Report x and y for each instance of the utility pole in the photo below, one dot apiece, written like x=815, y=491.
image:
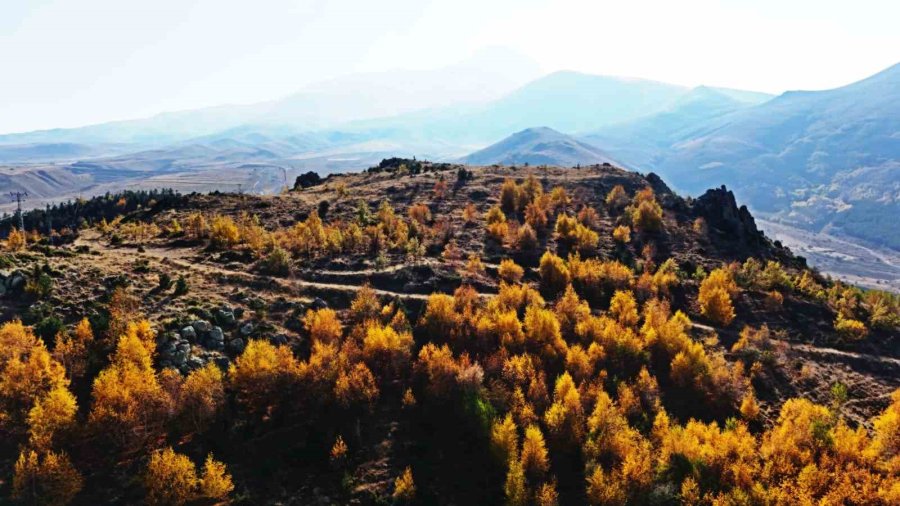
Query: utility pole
x=19, y=196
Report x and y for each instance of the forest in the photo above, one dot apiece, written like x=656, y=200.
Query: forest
x=527, y=337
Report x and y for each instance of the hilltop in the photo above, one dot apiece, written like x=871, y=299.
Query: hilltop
x=539, y=146
x=392, y=336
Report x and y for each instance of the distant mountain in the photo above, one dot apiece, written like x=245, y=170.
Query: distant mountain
x=642, y=140
x=824, y=160
x=539, y=146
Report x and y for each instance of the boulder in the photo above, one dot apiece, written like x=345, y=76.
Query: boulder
x=247, y=329
x=201, y=326
x=236, y=345
x=318, y=303
x=189, y=333
x=195, y=362
x=225, y=317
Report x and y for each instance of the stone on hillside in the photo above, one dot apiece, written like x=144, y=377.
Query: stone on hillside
x=236, y=345
x=189, y=333
x=201, y=326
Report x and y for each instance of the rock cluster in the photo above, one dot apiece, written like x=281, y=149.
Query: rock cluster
x=12, y=282
x=201, y=341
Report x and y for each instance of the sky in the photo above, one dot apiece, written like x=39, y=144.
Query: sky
x=66, y=63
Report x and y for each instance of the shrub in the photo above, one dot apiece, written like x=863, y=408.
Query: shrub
x=622, y=234
x=850, y=329
x=49, y=478
x=277, y=262
x=526, y=238
x=616, y=199
x=223, y=232
x=419, y=213
x=554, y=274
x=715, y=296
x=509, y=196
x=15, y=241
x=405, y=487
x=646, y=215
x=215, y=482
x=510, y=271
x=171, y=478
x=323, y=325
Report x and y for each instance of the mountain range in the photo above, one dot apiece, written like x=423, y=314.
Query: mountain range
x=826, y=161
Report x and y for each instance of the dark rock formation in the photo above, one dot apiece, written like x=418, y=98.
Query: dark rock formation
x=722, y=214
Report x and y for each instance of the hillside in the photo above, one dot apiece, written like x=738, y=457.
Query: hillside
x=426, y=333
x=822, y=160
x=539, y=146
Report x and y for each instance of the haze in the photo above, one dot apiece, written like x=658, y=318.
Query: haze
x=68, y=63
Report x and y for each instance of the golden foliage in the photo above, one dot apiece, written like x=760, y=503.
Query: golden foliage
x=385, y=349
x=509, y=196
x=526, y=238
x=405, y=487
x=170, y=479
x=338, y=453
x=850, y=329
x=261, y=374
x=646, y=215
x=554, y=273
x=715, y=296
x=129, y=404
x=356, y=387
x=202, y=396
x=50, y=414
x=535, y=461
x=565, y=417
x=323, y=325
x=623, y=308
x=215, y=482
x=510, y=271
x=616, y=199
x=419, y=213
x=47, y=479
x=16, y=240
x=505, y=439
x=622, y=234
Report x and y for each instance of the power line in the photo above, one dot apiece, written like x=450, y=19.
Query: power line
x=19, y=197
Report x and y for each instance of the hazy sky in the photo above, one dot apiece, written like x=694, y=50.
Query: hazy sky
x=75, y=62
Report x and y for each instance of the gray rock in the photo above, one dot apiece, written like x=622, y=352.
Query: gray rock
x=189, y=333
x=167, y=348
x=236, y=345
x=225, y=317
x=278, y=339
x=16, y=281
x=164, y=337
x=318, y=303
x=179, y=358
x=195, y=362
x=222, y=362
x=201, y=326
x=247, y=329
x=216, y=335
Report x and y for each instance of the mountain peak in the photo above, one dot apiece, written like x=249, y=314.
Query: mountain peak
x=539, y=146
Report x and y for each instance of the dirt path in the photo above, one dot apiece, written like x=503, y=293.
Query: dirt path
x=183, y=260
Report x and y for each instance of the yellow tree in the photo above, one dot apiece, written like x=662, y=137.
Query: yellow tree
x=46, y=479
x=129, y=404
x=170, y=479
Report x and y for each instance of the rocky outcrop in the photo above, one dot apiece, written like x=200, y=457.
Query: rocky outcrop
x=12, y=282
x=722, y=214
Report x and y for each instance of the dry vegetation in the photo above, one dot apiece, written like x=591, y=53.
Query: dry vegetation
x=425, y=334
